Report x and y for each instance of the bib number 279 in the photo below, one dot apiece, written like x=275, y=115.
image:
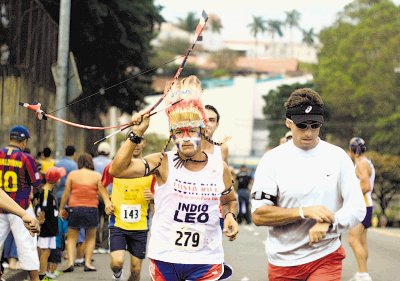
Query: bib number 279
x=187, y=239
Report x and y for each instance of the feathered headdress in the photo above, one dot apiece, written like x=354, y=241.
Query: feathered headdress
x=189, y=112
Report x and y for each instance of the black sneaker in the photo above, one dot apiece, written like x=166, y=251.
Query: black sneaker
x=228, y=271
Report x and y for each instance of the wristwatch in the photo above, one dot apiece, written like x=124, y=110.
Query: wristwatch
x=134, y=138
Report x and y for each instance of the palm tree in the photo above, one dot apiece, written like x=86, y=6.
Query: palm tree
x=292, y=20
x=215, y=23
x=309, y=36
x=189, y=23
x=257, y=26
x=275, y=28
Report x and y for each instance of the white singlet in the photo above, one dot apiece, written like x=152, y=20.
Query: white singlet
x=368, y=195
x=185, y=227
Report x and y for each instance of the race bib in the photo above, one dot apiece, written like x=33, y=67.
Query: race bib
x=130, y=213
x=188, y=237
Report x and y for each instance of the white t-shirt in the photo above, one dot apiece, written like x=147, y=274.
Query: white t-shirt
x=323, y=175
x=185, y=227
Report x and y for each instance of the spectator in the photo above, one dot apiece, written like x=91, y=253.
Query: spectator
x=47, y=162
x=68, y=163
x=100, y=162
x=81, y=194
x=20, y=167
x=46, y=211
x=244, y=180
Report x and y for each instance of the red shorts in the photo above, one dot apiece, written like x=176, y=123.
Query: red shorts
x=328, y=268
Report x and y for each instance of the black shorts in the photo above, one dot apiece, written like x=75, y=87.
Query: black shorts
x=135, y=241
x=82, y=217
x=55, y=256
x=368, y=218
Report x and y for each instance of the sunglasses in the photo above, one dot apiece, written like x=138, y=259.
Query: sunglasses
x=305, y=126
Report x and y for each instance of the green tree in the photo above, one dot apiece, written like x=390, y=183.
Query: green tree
x=387, y=179
x=225, y=59
x=356, y=73
x=189, y=23
x=309, y=36
x=111, y=42
x=215, y=24
x=257, y=26
x=275, y=28
x=292, y=20
x=274, y=110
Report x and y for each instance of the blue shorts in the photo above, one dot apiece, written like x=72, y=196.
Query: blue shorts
x=368, y=218
x=161, y=271
x=82, y=217
x=135, y=241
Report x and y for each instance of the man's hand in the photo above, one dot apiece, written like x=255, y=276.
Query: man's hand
x=231, y=227
x=319, y=213
x=141, y=121
x=63, y=213
x=148, y=196
x=318, y=232
x=31, y=224
x=41, y=217
x=109, y=207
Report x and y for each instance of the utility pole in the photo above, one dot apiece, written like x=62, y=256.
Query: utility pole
x=62, y=72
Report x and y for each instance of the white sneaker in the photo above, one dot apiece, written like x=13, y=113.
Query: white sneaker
x=361, y=277
x=51, y=275
x=102, y=251
x=120, y=278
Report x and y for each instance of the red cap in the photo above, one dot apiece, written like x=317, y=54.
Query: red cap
x=53, y=174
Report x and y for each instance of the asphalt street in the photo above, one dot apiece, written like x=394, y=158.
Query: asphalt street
x=247, y=256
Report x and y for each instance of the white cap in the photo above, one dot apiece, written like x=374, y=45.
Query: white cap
x=104, y=148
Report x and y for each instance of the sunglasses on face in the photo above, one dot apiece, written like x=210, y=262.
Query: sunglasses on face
x=312, y=126
x=305, y=126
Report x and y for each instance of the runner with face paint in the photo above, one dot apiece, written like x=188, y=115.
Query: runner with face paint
x=189, y=190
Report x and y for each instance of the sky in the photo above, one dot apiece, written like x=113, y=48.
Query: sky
x=237, y=14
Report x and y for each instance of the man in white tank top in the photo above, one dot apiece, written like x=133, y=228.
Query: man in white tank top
x=186, y=238
x=358, y=235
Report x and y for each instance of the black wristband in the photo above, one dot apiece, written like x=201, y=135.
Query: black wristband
x=134, y=138
x=233, y=214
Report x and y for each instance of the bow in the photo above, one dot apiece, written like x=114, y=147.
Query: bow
x=42, y=115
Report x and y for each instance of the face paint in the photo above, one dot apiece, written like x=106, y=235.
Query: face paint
x=183, y=136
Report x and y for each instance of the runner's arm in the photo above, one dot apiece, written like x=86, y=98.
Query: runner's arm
x=363, y=173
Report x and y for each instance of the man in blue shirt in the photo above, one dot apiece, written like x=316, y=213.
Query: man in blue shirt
x=68, y=163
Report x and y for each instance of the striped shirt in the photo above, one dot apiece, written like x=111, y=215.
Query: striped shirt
x=18, y=172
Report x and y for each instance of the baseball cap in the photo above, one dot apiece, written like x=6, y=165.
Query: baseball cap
x=104, y=148
x=20, y=132
x=53, y=174
x=305, y=112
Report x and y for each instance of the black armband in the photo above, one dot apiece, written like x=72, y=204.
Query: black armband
x=134, y=138
x=146, y=167
x=260, y=195
x=226, y=192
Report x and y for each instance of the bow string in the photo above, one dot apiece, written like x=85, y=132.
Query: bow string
x=42, y=115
